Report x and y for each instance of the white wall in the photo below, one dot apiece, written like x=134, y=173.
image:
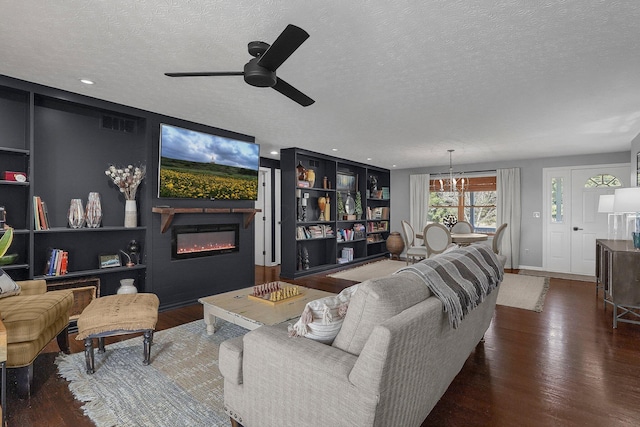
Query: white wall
x=531, y=183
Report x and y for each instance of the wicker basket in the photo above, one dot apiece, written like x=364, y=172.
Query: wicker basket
x=84, y=290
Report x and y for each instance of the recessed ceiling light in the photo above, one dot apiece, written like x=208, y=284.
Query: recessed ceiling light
x=275, y=153
x=87, y=81
x=369, y=159
x=334, y=149
x=393, y=166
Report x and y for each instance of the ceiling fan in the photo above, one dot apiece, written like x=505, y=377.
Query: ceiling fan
x=261, y=70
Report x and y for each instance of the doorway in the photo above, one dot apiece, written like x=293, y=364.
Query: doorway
x=268, y=221
x=571, y=219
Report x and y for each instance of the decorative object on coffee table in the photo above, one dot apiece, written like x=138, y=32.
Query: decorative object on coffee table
x=76, y=214
x=275, y=292
x=395, y=244
x=127, y=179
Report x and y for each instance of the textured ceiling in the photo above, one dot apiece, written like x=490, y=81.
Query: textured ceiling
x=395, y=82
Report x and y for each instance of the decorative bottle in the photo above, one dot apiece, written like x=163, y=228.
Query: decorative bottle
x=302, y=172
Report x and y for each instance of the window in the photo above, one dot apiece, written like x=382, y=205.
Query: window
x=557, y=207
x=602, y=180
x=476, y=203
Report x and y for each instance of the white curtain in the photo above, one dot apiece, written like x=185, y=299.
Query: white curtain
x=418, y=202
x=509, y=211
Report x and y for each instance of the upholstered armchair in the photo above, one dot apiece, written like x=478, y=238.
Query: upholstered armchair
x=32, y=319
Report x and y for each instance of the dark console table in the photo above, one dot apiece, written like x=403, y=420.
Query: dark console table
x=618, y=275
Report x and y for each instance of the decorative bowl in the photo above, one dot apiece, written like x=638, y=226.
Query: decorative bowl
x=8, y=259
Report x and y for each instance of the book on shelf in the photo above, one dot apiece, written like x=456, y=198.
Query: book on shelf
x=357, y=231
x=381, y=212
x=40, y=214
x=347, y=253
x=317, y=231
x=374, y=227
x=57, y=262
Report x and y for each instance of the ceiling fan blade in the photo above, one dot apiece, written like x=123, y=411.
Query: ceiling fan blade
x=291, y=92
x=286, y=43
x=206, y=74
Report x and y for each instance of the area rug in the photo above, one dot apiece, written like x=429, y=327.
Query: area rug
x=521, y=291
x=370, y=271
x=182, y=385
x=553, y=274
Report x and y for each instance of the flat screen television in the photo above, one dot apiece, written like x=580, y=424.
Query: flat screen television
x=197, y=165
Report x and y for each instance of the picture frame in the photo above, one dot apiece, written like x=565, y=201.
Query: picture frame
x=109, y=260
x=346, y=181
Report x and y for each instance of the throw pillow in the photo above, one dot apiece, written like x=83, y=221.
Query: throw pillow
x=7, y=286
x=321, y=319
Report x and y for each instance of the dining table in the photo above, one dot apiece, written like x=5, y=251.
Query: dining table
x=468, y=238
x=463, y=239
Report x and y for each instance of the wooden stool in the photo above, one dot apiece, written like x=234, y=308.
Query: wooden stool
x=117, y=315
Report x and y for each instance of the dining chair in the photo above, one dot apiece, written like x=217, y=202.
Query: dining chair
x=413, y=251
x=496, y=244
x=462, y=227
x=437, y=239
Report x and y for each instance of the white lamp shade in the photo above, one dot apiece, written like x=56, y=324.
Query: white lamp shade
x=627, y=200
x=605, y=204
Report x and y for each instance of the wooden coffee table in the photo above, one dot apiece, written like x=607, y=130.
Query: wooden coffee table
x=237, y=308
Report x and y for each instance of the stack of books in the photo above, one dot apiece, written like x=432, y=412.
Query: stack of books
x=57, y=262
x=347, y=256
x=317, y=231
x=385, y=193
x=40, y=214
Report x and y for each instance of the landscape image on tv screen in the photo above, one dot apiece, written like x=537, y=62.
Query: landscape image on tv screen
x=198, y=165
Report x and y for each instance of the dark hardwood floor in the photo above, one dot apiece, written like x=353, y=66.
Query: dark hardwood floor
x=565, y=366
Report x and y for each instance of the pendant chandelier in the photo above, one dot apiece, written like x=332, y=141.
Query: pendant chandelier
x=452, y=184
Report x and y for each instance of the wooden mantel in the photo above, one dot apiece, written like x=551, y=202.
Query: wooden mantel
x=168, y=213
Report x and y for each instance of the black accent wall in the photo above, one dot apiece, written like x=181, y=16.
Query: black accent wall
x=69, y=149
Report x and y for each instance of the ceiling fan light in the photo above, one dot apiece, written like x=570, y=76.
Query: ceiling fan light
x=258, y=76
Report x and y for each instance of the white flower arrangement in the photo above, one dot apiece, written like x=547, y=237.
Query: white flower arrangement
x=127, y=179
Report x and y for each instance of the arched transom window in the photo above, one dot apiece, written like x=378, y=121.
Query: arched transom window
x=602, y=180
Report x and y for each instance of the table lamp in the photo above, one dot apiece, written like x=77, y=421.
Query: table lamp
x=627, y=201
x=615, y=221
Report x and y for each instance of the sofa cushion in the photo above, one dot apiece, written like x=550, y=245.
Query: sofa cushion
x=7, y=286
x=27, y=316
x=375, y=301
x=321, y=319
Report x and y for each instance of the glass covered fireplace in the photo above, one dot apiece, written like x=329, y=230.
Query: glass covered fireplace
x=193, y=241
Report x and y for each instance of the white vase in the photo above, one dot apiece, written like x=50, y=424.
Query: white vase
x=127, y=287
x=130, y=214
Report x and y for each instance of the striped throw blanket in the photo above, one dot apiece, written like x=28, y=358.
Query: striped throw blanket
x=461, y=278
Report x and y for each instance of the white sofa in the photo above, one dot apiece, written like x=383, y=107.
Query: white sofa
x=392, y=360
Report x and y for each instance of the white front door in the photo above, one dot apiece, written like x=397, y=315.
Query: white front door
x=571, y=214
